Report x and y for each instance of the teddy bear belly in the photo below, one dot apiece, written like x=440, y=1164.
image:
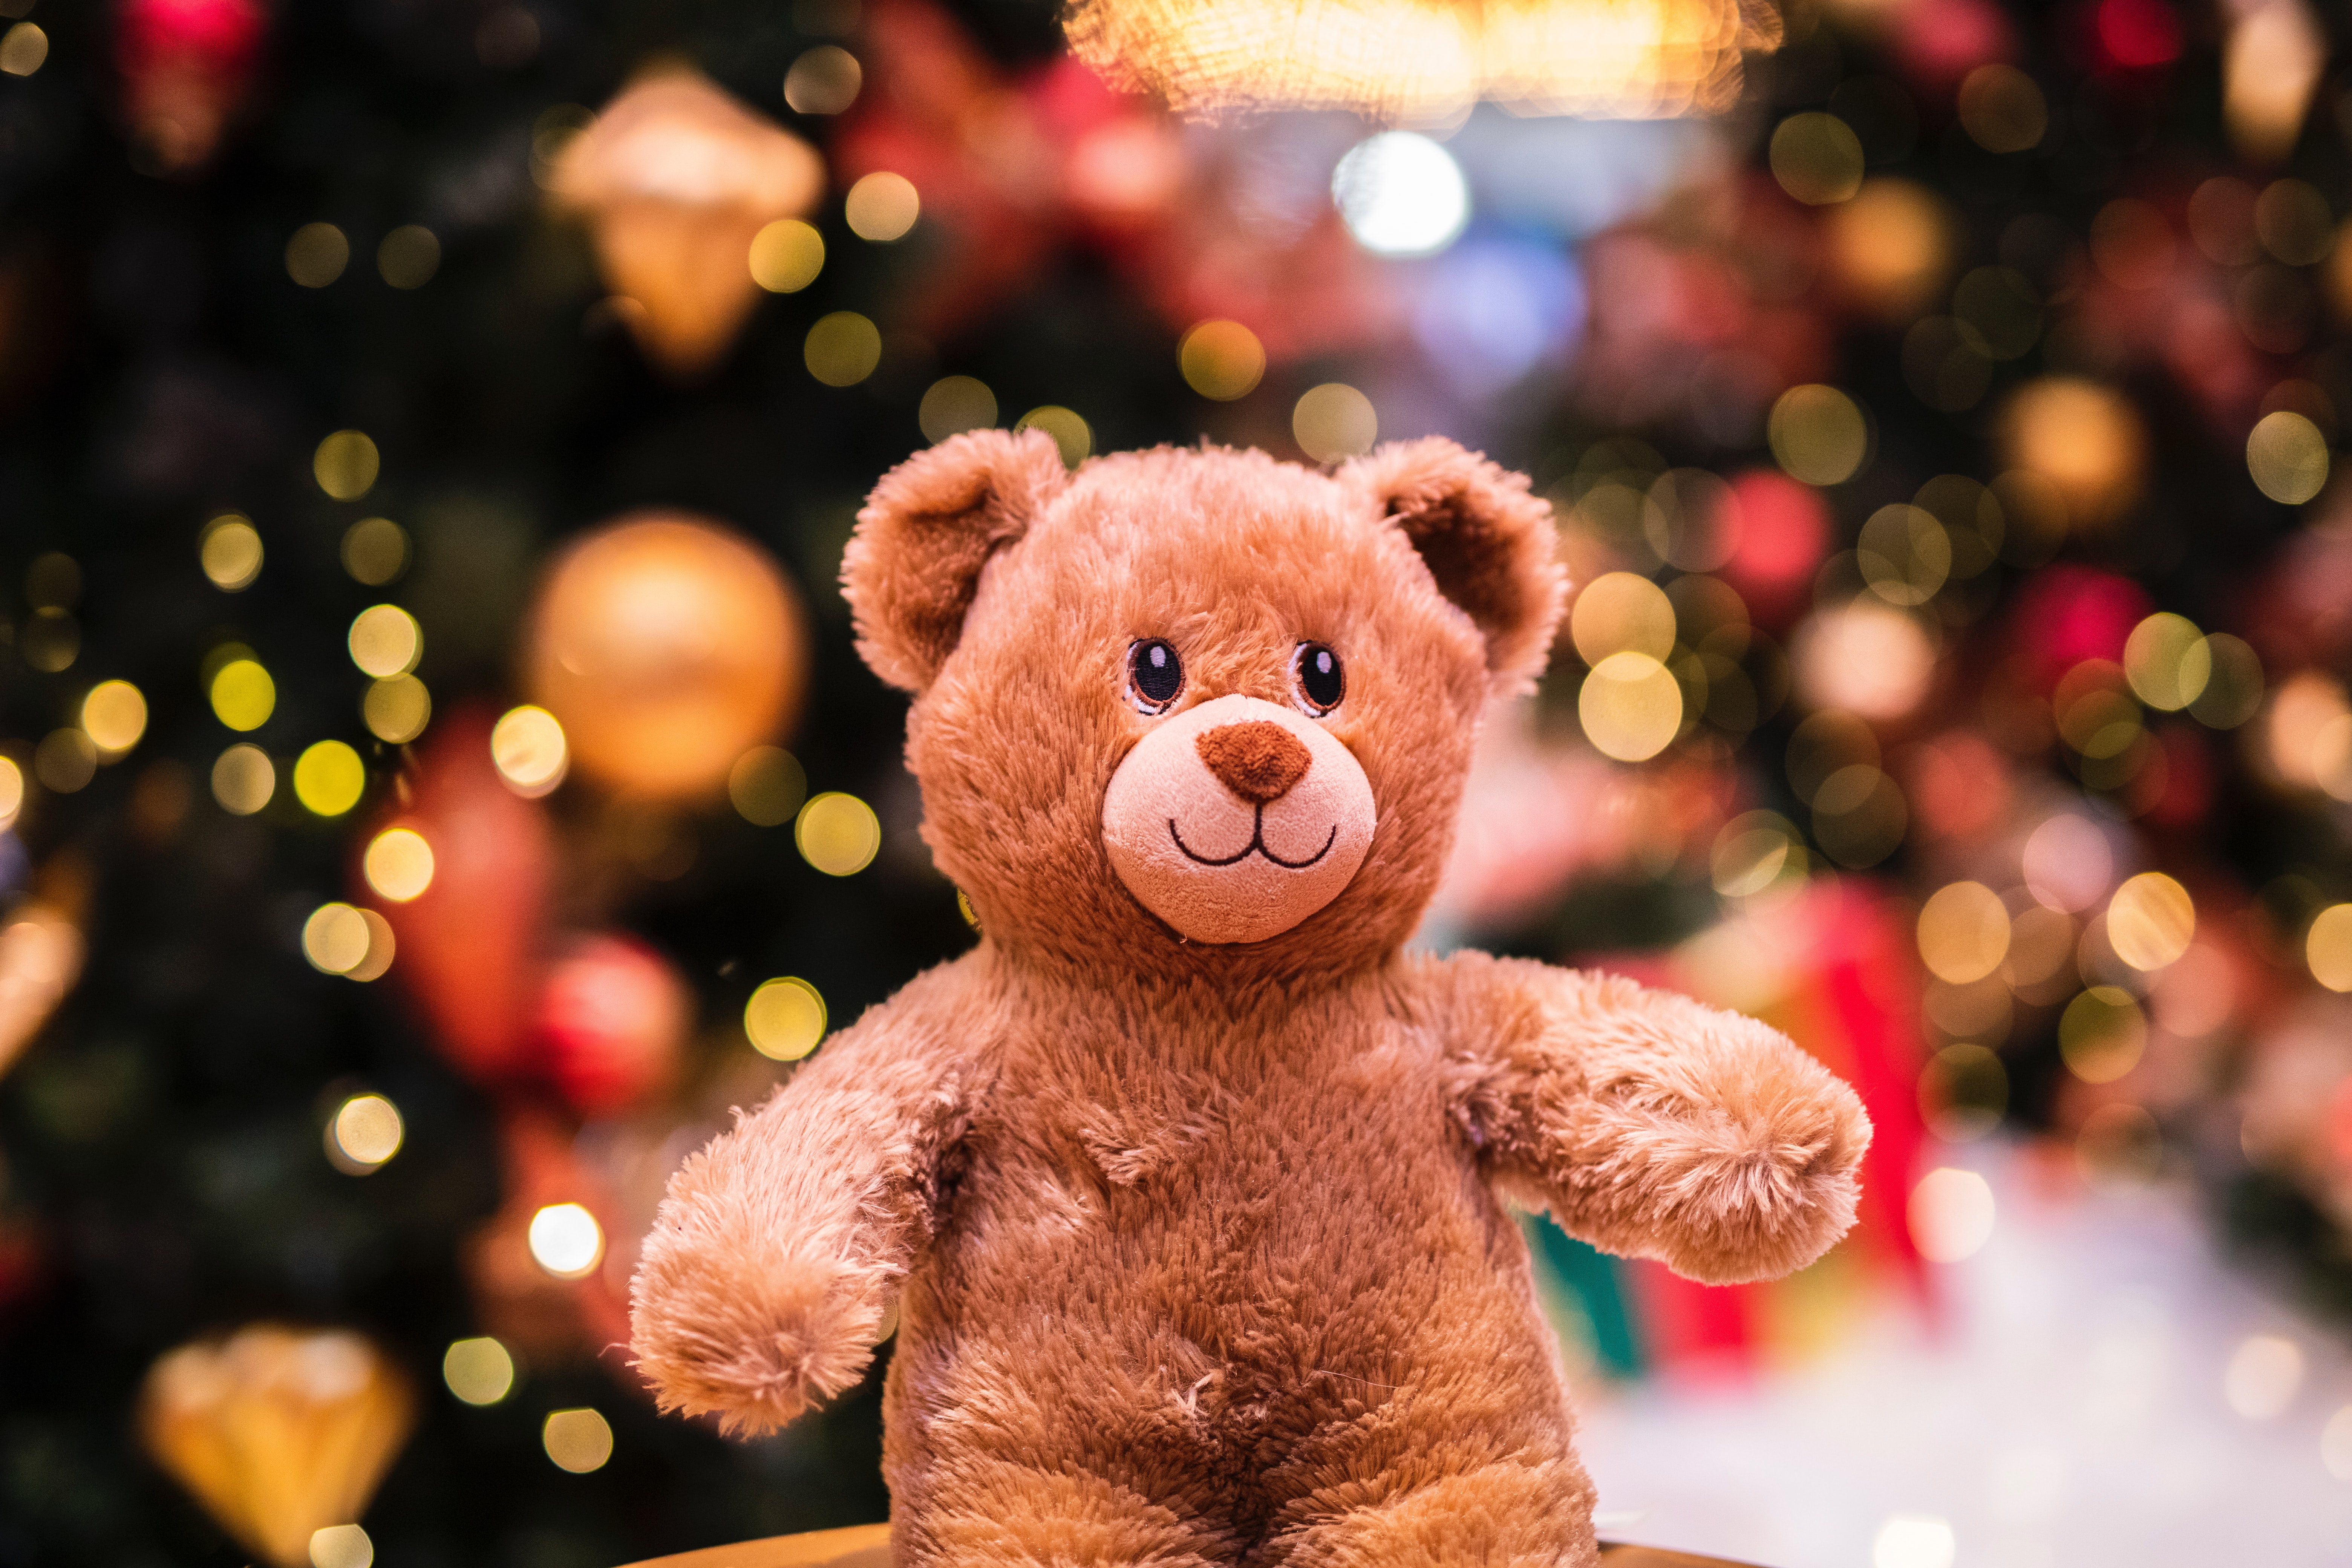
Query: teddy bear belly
x=1228, y=1317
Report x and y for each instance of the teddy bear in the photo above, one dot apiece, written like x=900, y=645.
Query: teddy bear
x=1189, y=1187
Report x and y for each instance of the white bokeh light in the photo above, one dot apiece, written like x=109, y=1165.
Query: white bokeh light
x=566, y=1240
x=1401, y=194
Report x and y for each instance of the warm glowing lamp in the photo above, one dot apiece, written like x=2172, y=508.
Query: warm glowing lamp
x=1425, y=61
x=666, y=647
x=676, y=179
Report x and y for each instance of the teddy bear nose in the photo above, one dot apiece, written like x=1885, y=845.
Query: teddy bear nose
x=1258, y=760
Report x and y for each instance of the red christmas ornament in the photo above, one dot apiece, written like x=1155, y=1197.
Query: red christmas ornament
x=186, y=67
x=468, y=945
x=613, y=1018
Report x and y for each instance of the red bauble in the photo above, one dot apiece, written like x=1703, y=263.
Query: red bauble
x=611, y=1021
x=469, y=946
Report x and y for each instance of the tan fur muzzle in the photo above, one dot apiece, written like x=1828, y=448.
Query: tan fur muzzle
x=1237, y=819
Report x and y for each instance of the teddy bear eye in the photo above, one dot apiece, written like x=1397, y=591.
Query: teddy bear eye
x=1321, y=681
x=1154, y=673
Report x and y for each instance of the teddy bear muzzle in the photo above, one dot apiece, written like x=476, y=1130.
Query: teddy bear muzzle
x=1237, y=819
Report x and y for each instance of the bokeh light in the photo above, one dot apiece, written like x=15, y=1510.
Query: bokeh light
x=2102, y=1035
x=526, y=746
x=766, y=786
x=882, y=207
x=1334, y=421
x=2263, y=1376
x=1951, y=1215
x=396, y=710
x=1905, y=555
x=317, y=255
x=2067, y=863
x=335, y=939
x=114, y=716
x=2327, y=947
x=1817, y=158
x=1220, y=360
x=23, y=49
x=2083, y=437
x=2168, y=661
x=578, y=1440
x=1400, y=194
x=345, y=465
x=364, y=1133
x=1963, y=933
x=566, y=1241
x=1892, y=245
x=2151, y=921
x=823, y=80
x=842, y=349
x=329, y=778
x=838, y=833
x=786, y=255
x=1818, y=435
x=2003, y=108
x=953, y=405
x=375, y=551
x=229, y=551
x=1621, y=612
x=243, y=694
x=478, y=1371
x=2287, y=456
x=784, y=1019
x=1072, y=437
x=65, y=761
x=2233, y=686
x=242, y=779
x=1631, y=706
x=341, y=1546
x=1867, y=657
x=12, y=792
x=408, y=257
x=2336, y=1444
x=398, y=864
x=386, y=641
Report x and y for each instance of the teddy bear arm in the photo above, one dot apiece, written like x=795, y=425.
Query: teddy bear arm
x=779, y=1249
x=1650, y=1125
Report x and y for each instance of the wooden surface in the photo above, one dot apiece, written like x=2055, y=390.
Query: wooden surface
x=869, y=1546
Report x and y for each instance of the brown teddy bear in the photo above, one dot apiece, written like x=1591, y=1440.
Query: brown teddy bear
x=1188, y=1182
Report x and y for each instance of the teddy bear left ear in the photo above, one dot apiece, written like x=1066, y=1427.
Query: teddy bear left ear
x=1488, y=541
x=914, y=562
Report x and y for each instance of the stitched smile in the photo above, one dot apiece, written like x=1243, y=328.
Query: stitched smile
x=1255, y=845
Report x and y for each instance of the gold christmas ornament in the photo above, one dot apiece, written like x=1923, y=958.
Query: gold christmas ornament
x=675, y=180
x=666, y=647
x=279, y=1433
x=1425, y=62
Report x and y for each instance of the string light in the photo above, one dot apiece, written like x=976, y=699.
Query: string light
x=837, y=834
x=363, y=1134
x=479, y=1371
x=784, y=1019
x=398, y=864
x=580, y=1440
x=566, y=1240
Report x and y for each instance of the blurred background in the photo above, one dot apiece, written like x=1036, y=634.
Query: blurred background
x=437, y=783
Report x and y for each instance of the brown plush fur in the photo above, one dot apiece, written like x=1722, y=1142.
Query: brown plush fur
x=1198, y=1250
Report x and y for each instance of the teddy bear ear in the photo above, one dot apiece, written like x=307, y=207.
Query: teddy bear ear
x=914, y=562
x=1486, y=539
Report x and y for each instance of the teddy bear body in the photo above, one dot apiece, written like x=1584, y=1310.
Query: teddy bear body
x=1188, y=1182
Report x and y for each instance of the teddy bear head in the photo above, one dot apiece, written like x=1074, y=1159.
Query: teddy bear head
x=1198, y=707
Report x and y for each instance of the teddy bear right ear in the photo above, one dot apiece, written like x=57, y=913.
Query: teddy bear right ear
x=914, y=562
